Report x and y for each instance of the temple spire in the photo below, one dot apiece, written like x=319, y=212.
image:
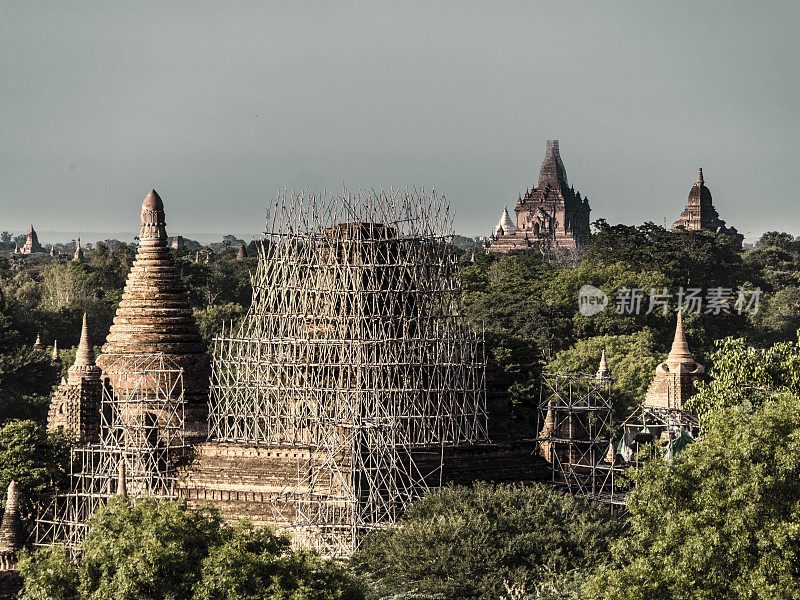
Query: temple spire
x=153, y=230
x=603, y=372
x=38, y=345
x=700, y=180
x=680, y=348
x=11, y=535
x=55, y=360
x=78, y=257
x=84, y=357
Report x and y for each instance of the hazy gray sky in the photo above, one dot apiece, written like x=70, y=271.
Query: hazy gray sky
x=218, y=105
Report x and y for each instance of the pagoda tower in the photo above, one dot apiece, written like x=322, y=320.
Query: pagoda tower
x=675, y=378
x=242, y=254
x=603, y=372
x=76, y=403
x=79, y=256
x=155, y=316
x=12, y=536
x=32, y=244
x=700, y=213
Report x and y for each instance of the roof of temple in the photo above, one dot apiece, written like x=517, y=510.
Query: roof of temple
x=680, y=358
x=699, y=191
x=84, y=365
x=552, y=172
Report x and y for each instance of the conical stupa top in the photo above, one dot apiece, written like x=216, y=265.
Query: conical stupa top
x=603, y=371
x=242, y=252
x=552, y=173
x=37, y=345
x=55, y=350
x=11, y=535
x=680, y=348
x=505, y=226
x=153, y=230
x=700, y=180
x=84, y=357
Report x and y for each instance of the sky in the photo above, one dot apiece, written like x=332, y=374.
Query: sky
x=219, y=105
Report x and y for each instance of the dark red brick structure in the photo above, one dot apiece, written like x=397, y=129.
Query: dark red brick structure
x=552, y=214
x=700, y=213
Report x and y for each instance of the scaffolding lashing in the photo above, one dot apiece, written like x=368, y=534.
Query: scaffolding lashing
x=576, y=435
x=142, y=426
x=355, y=348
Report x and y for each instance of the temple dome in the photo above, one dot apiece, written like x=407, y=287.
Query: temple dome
x=699, y=192
x=153, y=201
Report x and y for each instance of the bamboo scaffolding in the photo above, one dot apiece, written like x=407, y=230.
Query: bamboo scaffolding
x=575, y=435
x=354, y=347
x=142, y=426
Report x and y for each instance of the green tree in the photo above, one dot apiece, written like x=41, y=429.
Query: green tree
x=721, y=520
x=742, y=374
x=162, y=550
x=211, y=318
x=36, y=460
x=468, y=542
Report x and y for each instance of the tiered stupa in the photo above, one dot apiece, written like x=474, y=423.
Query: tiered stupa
x=38, y=346
x=12, y=536
x=76, y=404
x=242, y=254
x=32, y=244
x=675, y=378
x=155, y=315
x=505, y=226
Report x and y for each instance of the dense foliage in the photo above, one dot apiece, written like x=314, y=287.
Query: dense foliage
x=36, y=460
x=468, y=542
x=162, y=550
x=720, y=521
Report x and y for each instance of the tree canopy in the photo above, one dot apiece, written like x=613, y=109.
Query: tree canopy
x=467, y=542
x=162, y=550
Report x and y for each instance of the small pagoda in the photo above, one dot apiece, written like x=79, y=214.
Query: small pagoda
x=675, y=378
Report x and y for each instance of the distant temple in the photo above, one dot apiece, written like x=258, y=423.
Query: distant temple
x=551, y=214
x=32, y=244
x=700, y=213
x=675, y=378
x=79, y=256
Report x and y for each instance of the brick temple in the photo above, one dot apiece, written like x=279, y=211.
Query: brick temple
x=552, y=215
x=700, y=214
x=241, y=478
